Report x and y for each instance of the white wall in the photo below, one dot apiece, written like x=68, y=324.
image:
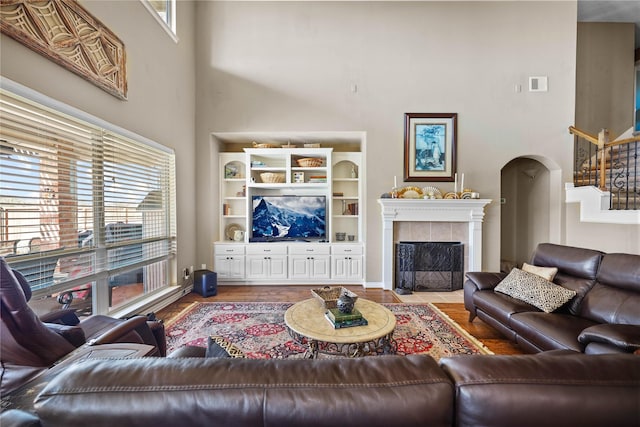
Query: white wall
x=287, y=66
x=161, y=97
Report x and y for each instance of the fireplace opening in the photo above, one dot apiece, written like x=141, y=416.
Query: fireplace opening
x=429, y=266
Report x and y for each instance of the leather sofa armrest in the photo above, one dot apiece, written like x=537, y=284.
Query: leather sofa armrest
x=73, y=334
x=625, y=337
x=66, y=316
x=120, y=330
x=157, y=329
x=485, y=280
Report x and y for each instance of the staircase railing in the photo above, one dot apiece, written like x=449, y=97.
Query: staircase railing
x=611, y=166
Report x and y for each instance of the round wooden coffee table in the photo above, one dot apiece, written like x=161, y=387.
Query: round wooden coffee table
x=308, y=326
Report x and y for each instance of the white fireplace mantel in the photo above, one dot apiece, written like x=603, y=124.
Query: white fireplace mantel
x=470, y=211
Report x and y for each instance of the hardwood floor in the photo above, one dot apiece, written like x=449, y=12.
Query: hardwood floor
x=489, y=336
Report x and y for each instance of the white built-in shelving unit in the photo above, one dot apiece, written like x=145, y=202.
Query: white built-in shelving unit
x=247, y=169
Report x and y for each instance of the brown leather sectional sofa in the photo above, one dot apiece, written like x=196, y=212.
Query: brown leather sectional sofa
x=550, y=389
x=603, y=317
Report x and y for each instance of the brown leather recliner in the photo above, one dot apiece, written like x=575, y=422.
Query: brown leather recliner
x=29, y=345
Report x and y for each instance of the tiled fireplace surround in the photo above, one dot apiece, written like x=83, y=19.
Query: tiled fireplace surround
x=432, y=221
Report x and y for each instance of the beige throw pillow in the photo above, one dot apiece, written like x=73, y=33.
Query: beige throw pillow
x=534, y=290
x=547, y=272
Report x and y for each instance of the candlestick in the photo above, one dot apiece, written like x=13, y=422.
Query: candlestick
x=395, y=182
x=455, y=183
x=462, y=184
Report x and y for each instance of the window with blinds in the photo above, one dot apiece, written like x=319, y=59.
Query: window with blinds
x=86, y=215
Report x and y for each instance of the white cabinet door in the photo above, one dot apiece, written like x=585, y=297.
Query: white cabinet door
x=257, y=267
x=320, y=267
x=278, y=267
x=298, y=267
x=229, y=266
x=309, y=267
x=266, y=267
x=347, y=267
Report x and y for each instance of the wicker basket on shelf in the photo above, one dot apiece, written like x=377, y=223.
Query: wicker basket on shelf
x=263, y=145
x=310, y=162
x=328, y=296
x=272, y=178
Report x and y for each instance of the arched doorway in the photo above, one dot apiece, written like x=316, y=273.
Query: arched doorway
x=531, y=208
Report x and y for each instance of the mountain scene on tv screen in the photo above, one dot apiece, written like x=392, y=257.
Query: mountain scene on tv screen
x=288, y=217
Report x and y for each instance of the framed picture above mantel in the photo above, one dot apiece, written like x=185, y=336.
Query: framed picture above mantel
x=430, y=146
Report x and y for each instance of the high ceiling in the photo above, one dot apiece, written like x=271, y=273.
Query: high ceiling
x=610, y=11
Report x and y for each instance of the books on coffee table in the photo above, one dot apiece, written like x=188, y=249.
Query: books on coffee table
x=346, y=323
x=336, y=315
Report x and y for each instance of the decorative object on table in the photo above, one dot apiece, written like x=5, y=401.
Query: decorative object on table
x=238, y=235
x=345, y=304
x=263, y=145
x=272, y=177
x=351, y=237
x=340, y=236
x=430, y=146
x=289, y=145
x=66, y=33
x=230, y=230
x=258, y=330
x=310, y=162
x=431, y=192
x=354, y=172
x=328, y=296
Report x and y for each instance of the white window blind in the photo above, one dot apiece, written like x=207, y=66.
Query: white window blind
x=82, y=204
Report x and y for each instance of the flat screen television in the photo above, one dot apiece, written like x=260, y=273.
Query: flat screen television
x=277, y=218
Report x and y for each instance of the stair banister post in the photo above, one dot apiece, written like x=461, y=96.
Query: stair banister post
x=603, y=139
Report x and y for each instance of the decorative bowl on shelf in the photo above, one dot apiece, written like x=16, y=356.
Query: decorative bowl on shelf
x=310, y=162
x=328, y=296
x=272, y=177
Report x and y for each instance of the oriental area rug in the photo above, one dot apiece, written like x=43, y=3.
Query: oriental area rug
x=258, y=329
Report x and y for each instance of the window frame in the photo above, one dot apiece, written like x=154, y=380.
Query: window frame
x=169, y=27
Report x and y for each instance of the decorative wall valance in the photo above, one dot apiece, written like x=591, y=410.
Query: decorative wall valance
x=66, y=33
